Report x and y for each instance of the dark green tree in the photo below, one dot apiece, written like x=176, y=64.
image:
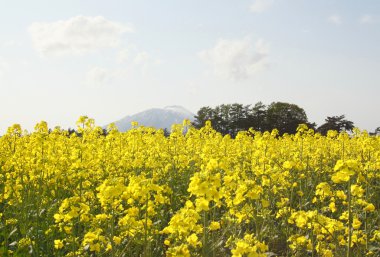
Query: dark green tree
x=377, y=131
x=257, y=117
x=222, y=119
x=225, y=118
x=232, y=118
x=204, y=114
x=338, y=123
x=285, y=117
x=237, y=117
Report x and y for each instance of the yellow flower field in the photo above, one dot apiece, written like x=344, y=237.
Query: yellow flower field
x=194, y=193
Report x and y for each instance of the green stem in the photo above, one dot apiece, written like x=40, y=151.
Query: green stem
x=349, y=220
x=204, y=248
x=146, y=227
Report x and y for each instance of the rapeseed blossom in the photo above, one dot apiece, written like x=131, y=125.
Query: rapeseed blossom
x=192, y=193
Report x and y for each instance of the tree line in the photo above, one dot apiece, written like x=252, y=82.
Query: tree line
x=232, y=118
x=285, y=117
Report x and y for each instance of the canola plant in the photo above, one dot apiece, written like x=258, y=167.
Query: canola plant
x=193, y=193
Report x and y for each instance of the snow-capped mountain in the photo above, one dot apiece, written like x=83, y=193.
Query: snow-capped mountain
x=156, y=117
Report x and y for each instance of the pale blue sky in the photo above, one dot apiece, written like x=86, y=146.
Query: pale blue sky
x=108, y=59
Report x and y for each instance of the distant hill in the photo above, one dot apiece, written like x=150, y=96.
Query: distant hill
x=156, y=117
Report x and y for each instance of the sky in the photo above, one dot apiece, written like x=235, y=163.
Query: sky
x=108, y=59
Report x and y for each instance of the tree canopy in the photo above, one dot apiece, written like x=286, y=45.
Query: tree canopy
x=232, y=118
x=338, y=123
x=285, y=117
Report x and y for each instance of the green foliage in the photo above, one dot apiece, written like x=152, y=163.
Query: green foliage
x=232, y=118
x=338, y=123
x=285, y=117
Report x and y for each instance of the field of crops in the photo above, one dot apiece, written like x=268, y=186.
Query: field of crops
x=197, y=193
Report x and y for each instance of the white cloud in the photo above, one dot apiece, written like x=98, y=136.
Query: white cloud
x=135, y=57
x=237, y=59
x=131, y=63
x=335, y=19
x=261, y=5
x=123, y=55
x=144, y=61
x=77, y=35
x=97, y=77
x=141, y=58
x=366, y=19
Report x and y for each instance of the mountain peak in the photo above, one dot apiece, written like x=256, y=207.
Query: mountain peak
x=157, y=117
x=179, y=109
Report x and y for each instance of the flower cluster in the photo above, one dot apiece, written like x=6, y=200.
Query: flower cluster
x=192, y=193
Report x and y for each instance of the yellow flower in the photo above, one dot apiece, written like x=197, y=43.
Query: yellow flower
x=287, y=165
x=193, y=240
x=376, y=236
x=342, y=176
x=214, y=225
x=178, y=251
x=344, y=170
x=357, y=190
x=300, y=218
x=327, y=253
x=341, y=195
x=108, y=247
x=58, y=244
x=332, y=207
x=323, y=190
x=344, y=216
x=356, y=223
x=95, y=247
x=117, y=240
x=202, y=204
x=25, y=242
x=370, y=208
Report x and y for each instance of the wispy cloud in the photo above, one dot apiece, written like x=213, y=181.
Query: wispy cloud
x=260, y=6
x=143, y=61
x=335, y=19
x=123, y=55
x=97, y=77
x=77, y=35
x=141, y=58
x=237, y=59
x=138, y=59
x=367, y=19
x=131, y=62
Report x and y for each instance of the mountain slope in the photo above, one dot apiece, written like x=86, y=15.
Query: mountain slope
x=156, y=117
